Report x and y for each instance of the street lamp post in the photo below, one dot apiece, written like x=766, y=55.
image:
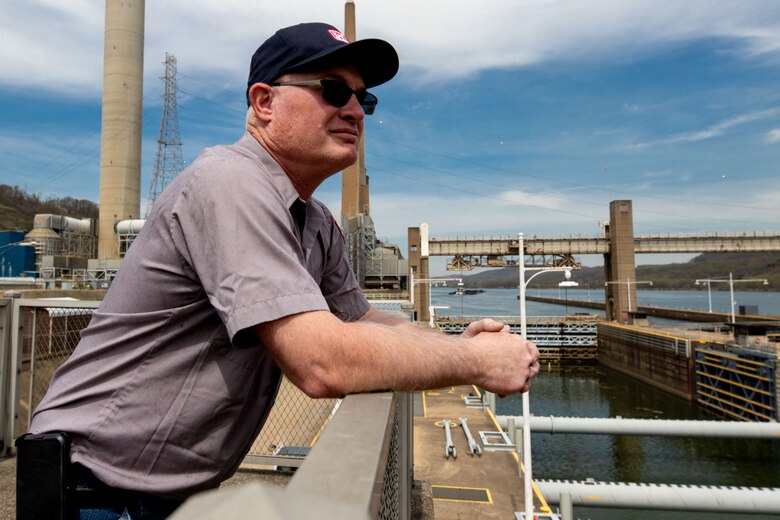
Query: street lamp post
x=731, y=281
x=709, y=294
x=628, y=283
x=528, y=490
x=566, y=284
x=429, y=281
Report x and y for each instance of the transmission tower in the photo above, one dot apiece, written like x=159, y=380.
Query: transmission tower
x=168, y=162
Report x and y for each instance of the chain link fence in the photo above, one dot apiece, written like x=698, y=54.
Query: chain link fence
x=44, y=333
x=292, y=427
x=39, y=335
x=390, y=501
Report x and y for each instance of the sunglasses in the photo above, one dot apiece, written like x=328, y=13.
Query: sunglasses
x=336, y=93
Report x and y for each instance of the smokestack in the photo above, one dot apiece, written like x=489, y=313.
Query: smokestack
x=120, y=137
x=354, y=183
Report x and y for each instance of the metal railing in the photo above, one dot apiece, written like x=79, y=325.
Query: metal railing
x=359, y=469
x=38, y=337
x=360, y=456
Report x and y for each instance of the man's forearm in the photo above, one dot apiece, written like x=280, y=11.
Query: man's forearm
x=385, y=318
x=326, y=357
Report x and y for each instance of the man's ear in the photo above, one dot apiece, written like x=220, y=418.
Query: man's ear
x=260, y=97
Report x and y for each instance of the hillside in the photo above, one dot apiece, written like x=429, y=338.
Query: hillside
x=18, y=208
x=667, y=276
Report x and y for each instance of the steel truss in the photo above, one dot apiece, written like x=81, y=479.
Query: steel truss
x=740, y=383
x=535, y=260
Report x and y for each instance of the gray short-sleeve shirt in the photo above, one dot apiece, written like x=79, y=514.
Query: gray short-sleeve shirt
x=169, y=386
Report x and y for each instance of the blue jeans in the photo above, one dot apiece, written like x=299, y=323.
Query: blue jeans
x=102, y=514
x=94, y=500
x=137, y=508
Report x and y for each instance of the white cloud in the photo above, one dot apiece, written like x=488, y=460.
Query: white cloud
x=715, y=130
x=536, y=200
x=59, y=45
x=773, y=135
x=767, y=200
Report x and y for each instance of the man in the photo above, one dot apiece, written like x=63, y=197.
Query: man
x=238, y=276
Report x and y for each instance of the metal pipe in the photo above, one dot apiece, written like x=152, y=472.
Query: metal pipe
x=659, y=427
x=33, y=344
x=528, y=498
x=566, y=507
x=663, y=497
x=449, y=447
x=473, y=446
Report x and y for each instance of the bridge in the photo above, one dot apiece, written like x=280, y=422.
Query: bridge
x=619, y=246
x=482, y=249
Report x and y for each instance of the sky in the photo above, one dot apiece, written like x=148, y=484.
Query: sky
x=506, y=116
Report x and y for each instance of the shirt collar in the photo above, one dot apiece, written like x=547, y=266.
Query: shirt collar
x=278, y=175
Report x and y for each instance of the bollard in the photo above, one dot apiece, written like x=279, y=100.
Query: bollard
x=518, y=440
x=510, y=429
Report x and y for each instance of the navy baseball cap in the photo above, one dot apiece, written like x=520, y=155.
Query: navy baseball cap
x=316, y=46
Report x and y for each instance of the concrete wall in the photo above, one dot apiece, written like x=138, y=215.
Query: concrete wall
x=648, y=357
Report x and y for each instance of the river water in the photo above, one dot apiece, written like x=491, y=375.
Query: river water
x=600, y=392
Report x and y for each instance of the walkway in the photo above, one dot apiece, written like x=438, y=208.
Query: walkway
x=486, y=486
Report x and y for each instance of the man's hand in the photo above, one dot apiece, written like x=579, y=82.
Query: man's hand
x=509, y=362
x=484, y=325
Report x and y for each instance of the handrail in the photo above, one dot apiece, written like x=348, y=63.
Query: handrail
x=359, y=469
x=349, y=461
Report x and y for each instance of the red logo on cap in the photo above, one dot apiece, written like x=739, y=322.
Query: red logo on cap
x=337, y=35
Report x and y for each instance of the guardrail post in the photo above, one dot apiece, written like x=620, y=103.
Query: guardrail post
x=6, y=307
x=510, y=428
x=11, y=399
x=566, y=507
x=518, y=440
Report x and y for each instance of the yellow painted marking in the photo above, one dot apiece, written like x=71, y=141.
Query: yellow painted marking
x=721, y=410
x=433, y=394
x=476, y=390
x=440, y=424
x=730, y=403
x=486, y=490
x=647, y=333
x=593, y=497
x=740, y=398
x=537, y=491
x=545, y=507
x=754, y=376
x=498, y=427
x=322, y=428
x=734, y=383
x=493, y=418
x=425, y=405
x=729, y=355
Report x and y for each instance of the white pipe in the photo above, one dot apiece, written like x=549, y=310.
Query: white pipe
x=527, y=474
x=664, y=497
x=620, y=426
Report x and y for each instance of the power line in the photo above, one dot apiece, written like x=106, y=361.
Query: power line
x=90, y=154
